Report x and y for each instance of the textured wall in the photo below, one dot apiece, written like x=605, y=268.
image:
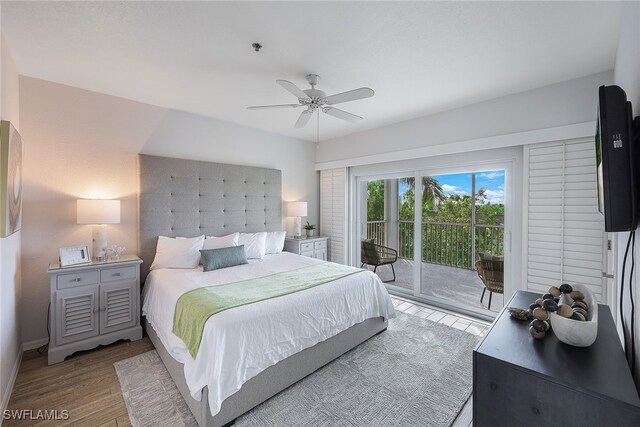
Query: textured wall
x=83, y=144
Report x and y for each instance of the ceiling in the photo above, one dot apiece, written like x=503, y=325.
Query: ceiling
x=419, y=57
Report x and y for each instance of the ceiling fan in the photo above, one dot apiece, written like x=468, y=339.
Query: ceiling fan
x=314, y=99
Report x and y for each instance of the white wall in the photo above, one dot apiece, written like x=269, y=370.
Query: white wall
x=627, y=76
x=10, y=282
x=83, y=144
x=556, y=105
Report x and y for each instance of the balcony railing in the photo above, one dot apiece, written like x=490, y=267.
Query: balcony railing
x=443, y=243
x=376, y=230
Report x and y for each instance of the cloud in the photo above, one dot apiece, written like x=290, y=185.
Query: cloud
x=494, y=196
x=452, y=189
x=491, y=174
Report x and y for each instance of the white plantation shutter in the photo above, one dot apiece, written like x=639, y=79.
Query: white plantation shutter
x=565, y=231
x=333, y=212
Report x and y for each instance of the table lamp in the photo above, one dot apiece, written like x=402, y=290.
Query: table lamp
x=296, y=210
x=99, y=213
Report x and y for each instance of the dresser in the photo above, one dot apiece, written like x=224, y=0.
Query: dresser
x=314, y=247
x=93, y=305
x=519, y=381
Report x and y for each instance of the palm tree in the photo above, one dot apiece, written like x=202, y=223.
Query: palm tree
x=432, y=192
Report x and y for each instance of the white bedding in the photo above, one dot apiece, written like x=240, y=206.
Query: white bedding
x=239, y=343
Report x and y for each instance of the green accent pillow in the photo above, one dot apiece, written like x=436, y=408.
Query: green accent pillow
x=214, y=259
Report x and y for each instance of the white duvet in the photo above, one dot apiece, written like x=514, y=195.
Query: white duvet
x=239, y=343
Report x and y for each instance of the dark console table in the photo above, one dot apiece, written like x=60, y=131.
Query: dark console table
x=519, y=381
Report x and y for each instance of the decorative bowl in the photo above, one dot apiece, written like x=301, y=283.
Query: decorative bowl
x=576, y=332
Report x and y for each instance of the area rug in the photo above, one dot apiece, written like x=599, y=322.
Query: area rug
x=417, y=373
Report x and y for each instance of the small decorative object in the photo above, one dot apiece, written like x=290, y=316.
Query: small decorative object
x=541, y=314
x=518, y=313
x=564, y=310
x=309, y=228
x=550, y=305
x=555, y=291
x=116, y=251
x=566, y=288
x=74, y=255
x=11, y=179
x=581, y=328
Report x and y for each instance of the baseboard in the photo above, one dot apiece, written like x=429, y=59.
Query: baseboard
x=30, y=345
x=12, y=381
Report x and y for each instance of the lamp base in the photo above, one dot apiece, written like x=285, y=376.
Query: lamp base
x=99, y=237
x=297, y=227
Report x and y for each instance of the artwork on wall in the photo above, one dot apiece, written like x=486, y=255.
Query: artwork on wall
x=10, y=179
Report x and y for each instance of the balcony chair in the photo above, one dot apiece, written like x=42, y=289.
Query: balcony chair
x=490, y=269
x=377, y=255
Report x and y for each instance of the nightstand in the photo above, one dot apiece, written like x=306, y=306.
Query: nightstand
x=93, y=305
x=314, y=247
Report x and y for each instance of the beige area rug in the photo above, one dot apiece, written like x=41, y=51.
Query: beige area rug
x=417, y=373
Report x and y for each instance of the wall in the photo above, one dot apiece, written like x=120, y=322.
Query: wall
x=10, y=282
x=551, y=106
x=84, y=144
x=627, y=76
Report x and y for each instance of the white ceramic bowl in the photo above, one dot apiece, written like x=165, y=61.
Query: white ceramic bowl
x=575, y=332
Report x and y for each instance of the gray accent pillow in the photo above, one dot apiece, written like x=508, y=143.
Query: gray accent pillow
x=214, y=259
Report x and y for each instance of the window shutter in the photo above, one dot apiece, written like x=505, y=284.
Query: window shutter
x=333, y=212
x=565, y=231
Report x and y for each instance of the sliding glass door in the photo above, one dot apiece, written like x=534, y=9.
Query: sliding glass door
x=448, y=233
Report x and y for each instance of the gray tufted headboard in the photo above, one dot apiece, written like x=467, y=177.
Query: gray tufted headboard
x=188, y=198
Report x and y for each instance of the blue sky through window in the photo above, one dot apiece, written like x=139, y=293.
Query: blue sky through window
x=460, y=183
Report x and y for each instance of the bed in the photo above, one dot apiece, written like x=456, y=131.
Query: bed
x=302, y=331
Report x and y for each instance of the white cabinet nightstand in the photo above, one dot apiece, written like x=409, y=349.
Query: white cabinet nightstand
x=93, y=305
x=315, y=247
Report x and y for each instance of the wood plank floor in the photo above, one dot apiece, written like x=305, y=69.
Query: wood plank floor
x=85, y=384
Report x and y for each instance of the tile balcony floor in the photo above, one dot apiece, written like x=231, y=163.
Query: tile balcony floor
x=454, y=284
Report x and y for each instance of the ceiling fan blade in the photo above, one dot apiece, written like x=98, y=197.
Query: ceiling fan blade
x=341, y=114
x=352, y=95
x=267, y=107
x=295, y=90
x=304, y=118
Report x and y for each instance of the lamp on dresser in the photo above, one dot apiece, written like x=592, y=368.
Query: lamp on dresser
x=296, y=210
x=98, y=213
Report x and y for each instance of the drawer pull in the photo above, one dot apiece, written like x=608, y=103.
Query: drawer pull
x=116, y=274
x=77, y=279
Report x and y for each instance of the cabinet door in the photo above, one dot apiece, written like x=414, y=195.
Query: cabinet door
x=76, y=314
x=320, y=254
x=117, y=306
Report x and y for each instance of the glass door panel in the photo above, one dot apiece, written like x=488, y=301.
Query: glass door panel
x=386, y=209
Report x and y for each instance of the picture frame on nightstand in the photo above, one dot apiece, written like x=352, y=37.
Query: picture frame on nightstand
x=75, y=255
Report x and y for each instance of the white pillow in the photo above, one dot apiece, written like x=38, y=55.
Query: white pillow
x=178, y=252
x=254, y=244
x=275, y=242
x=212, y=242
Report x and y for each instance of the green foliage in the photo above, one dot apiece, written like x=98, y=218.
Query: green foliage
x=375, y=200
x=309, y=226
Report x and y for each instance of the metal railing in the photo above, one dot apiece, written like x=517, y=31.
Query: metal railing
x=377, y=230
x=444, y=243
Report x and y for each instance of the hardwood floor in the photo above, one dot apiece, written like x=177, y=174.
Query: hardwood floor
x=85, y=385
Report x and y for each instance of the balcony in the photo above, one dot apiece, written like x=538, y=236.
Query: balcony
x=448, y=256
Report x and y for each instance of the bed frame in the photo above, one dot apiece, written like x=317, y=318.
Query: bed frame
x=189, y=198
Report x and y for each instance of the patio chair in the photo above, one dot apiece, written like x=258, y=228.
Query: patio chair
x=490, y=269
x=377, y=255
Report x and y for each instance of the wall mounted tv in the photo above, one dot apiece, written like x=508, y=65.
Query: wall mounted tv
x=617, y=160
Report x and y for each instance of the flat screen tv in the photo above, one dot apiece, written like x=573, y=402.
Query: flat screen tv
x=616, y=160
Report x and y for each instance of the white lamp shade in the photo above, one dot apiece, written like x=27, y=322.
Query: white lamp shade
x=98, y=212
x=296, y=209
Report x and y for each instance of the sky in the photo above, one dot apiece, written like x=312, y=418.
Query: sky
x=460, y=183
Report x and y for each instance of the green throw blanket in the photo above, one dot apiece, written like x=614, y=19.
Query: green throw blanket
x=194, y=308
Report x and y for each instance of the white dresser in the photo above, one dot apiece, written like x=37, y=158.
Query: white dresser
x=315, y=247
x=93, y=305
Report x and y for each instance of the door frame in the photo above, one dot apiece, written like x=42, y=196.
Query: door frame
x=469, y=162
